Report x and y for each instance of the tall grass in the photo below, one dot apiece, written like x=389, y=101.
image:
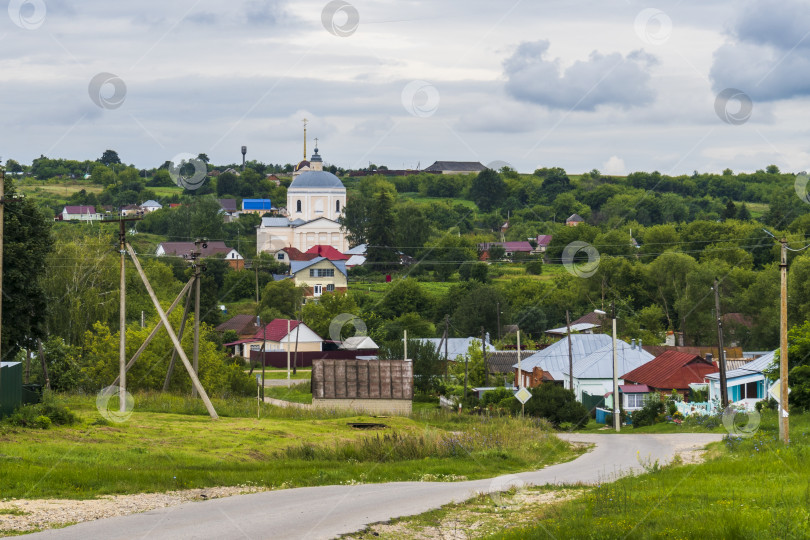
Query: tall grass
x=753, y=488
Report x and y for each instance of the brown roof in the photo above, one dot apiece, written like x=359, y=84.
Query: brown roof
x=244, y=325
x=502, y=361
x=671, y=370
x=592, y=318
x=295, y=254
x=657, y=350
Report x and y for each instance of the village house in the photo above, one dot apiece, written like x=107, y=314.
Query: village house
x=671, y=370
x=456, y=167
x=319, y=275
x=274, y=337
x=574, y=220
x=745, y=385
x=207, y=249
x=79, y=213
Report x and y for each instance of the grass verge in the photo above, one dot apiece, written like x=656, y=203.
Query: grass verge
x=170, y=443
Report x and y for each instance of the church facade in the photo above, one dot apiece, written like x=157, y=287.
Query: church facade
x=315, y=201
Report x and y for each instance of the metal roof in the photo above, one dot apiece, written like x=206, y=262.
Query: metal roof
x=599, y=365
x=554, y=358
x=578, y=327
x=456, y=347
x=671, y=369
x=297, y=266
x=752, y=367
x=257, y=204
x=317, y=179
x=357, y=250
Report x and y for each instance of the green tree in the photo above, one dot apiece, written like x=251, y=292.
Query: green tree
x=416, y=326
x=27, y=243
x=282, y=296
x=488, y=190
x=381, y=253
x=319, y=315
x=556, y=404
x=404, y=296
x=413, y=228
x=110, y=157
x=428, y=365
x=480, y=308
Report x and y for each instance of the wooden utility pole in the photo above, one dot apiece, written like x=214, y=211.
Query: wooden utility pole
x=122, y=320
x=194, y=380
x=154, y=332
x=196, y=355
x=570, y=352
x=44, y=365
x=721, y=354
x=784, y=432
x=2, y=217
x=170, y=371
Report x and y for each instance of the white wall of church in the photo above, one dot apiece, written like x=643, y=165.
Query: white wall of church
x=326, y=203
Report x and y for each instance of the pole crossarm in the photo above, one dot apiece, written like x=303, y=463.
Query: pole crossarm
x=194, y=380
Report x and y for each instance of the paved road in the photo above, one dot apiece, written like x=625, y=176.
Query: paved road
x=324, y=512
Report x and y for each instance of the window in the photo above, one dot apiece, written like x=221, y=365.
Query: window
x=311, y=272
x=281, y=256
x=330, y=288
x=298, y=206
x=635, y=401
x=337, y=206
x=321, y=272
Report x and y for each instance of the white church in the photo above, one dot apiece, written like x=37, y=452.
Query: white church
x=315, y=200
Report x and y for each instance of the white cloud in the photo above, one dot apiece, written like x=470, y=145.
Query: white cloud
x=614, y=166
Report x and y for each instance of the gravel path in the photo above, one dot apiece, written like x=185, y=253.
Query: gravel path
x=328, y=511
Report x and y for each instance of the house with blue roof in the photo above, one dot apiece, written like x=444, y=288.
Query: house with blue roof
x=319, y=275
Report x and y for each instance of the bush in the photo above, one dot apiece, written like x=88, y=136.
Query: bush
x=534, y=267
x=42, y=415
x=42, y=422
x=648, y=415
x=555, y=404
x=495, y=397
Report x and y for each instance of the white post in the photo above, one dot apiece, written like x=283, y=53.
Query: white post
x=288, y=352
x=405, y=340
x=616, y=419
x=520, y=372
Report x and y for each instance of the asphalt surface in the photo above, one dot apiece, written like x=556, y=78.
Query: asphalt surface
x=328, y=511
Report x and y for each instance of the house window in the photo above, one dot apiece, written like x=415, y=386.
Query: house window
x=635, y=401
x=298, y=206
x=281, y=256
x=311, y=272
x=322, y=272
x=330, y=288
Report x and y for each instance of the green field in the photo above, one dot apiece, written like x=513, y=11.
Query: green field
x=170, y=443
x=418, y=197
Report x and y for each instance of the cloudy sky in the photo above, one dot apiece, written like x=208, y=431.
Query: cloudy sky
x=616, y=85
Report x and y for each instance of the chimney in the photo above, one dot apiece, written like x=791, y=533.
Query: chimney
x=633, y=343
x=709, y=357
x=639, y=344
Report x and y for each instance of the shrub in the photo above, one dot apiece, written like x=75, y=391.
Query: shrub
x=555, y=404
x=648, y=415
x=534, y=267
x=495, y=397
x=42, y=422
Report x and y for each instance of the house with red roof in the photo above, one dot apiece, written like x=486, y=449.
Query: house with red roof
x=509, y=248
x=290, y=253
x=671, y=370
x=328, y=252
x=543, y=240
x=278, y=335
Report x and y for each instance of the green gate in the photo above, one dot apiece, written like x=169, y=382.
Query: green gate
x=592, y=402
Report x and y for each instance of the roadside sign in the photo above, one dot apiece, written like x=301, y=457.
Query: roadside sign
x=776, y=391
x=523, y=395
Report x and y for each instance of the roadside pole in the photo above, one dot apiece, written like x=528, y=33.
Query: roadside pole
x=784, y=432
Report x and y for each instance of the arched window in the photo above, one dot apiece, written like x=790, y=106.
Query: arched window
x=337, y=206
x=298, y=206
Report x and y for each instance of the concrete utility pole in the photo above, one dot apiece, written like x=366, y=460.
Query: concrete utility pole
x=520, y=373
x=784, y=432
x=570, y=352
x=498, y=313
x=616, y=415
x=721, y=354
x=446, y=338
x=484, y=354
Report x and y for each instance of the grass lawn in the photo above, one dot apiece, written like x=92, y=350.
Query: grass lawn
x=748, y=488
x=170, y=443
x=664, y=427
x=277, y=373
x=166, y=191
x=298, y=393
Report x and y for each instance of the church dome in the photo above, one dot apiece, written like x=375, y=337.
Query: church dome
x=316, y=179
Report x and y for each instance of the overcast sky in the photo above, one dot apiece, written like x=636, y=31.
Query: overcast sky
x=616, y=85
